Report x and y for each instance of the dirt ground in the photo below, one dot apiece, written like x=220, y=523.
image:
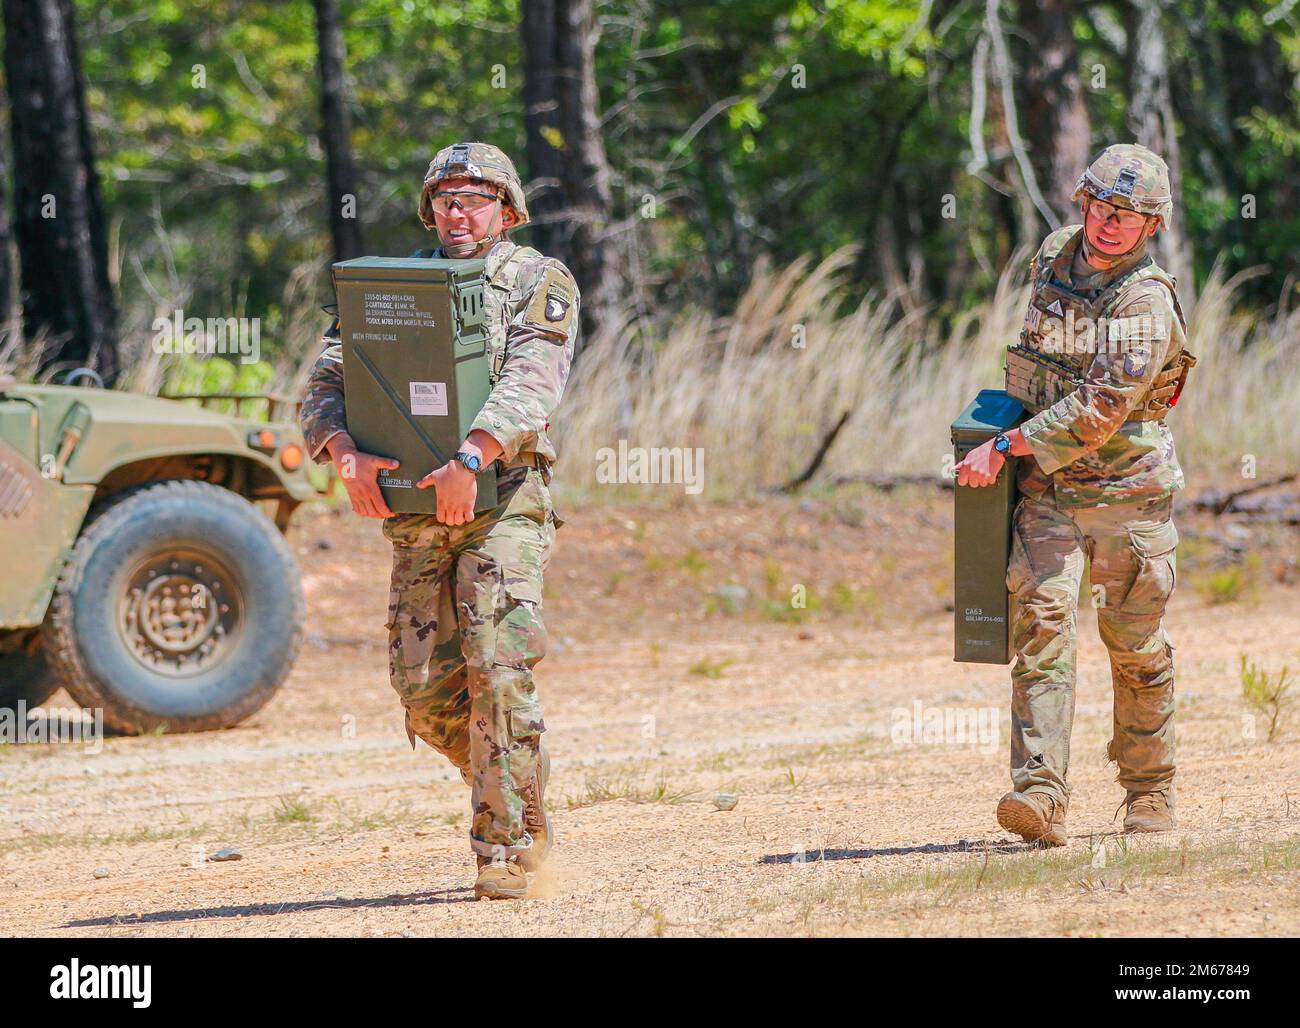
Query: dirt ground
x=679, y=671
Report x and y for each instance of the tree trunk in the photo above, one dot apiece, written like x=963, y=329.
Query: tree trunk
x=59, y=218
x=336, y=134
x=731, y=257
x=546, y=202
x=7, y=322
x=1151, y=119
x=562, y=116
x=94, y=195
x=1056, y=118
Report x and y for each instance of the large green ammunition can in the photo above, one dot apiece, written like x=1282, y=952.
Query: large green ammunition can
x=982, y=536
x=415, y=367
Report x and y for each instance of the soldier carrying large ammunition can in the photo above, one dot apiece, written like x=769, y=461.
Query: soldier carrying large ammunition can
x=1100, y=363
x=464, y=619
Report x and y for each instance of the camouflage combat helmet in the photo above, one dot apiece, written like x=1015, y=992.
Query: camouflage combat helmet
x=473, y=160
x=1129, y=175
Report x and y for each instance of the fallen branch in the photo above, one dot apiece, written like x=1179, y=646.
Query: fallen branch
x=1006, y=79
x=820, y=456
x=1220, y=503
x=887, y=483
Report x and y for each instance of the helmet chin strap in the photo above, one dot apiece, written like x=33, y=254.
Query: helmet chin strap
x=463, y=251
x=1109, y=260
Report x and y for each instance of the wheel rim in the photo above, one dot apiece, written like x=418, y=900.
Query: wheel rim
x=180, y=613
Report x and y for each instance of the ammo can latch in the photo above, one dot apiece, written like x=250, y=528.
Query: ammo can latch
x=470, y=316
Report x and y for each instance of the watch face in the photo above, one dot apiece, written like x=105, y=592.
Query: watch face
x=469, y=460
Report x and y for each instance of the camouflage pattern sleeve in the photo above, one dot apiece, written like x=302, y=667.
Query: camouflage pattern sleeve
x=1137, y=341
x=323, y=412
x=1053, y=244
x=539, y=350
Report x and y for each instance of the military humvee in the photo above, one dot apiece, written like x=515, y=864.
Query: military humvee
x=136, y=569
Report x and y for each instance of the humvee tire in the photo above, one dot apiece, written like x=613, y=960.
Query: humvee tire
x=180, y=608
x=25, y=677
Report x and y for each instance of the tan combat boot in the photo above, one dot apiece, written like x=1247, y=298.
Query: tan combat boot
x=536, y=820
x=502, y=879
x=1034, y=816
x=1149, y=812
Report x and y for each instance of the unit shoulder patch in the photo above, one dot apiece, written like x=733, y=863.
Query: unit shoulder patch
x=553, y=300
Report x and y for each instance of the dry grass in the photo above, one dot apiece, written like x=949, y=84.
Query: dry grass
x=624, y=785
x=18, y=356
x=759, y=405
x=758, y=390
x=1246, y=383
x=1115, y=864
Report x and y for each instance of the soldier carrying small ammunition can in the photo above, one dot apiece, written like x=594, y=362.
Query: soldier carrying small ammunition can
x=1100, y=363
x=464, y=619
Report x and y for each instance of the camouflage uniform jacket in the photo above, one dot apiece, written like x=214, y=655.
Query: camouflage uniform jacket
x=532, y=305
x=1086, y=451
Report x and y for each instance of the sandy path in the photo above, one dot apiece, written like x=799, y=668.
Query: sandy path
x=657, y=702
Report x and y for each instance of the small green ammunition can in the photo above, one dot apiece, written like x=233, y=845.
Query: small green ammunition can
x=415, y=367
x=982, y=536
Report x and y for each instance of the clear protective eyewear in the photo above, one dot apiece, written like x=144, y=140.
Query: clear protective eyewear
x=1124, y=217
x=465, y=199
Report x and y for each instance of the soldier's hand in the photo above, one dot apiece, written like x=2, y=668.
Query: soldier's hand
x=981, y=466
x=457, y=489
x=360, y=473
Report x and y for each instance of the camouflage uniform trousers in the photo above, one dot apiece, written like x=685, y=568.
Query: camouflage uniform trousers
x=465, y=631
x=1133, y=572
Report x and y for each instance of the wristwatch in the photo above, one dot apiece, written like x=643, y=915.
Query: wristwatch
x=1000, y=443
x=469, y=460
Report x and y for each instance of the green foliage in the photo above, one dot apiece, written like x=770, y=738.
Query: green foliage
x=1269, y=695
x=694, y=562
x=207, y=122
x=292, y=810
x=626, y=784
x=1232, y=583
x=205, y=375
x=832, y=122
x=710, y=668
